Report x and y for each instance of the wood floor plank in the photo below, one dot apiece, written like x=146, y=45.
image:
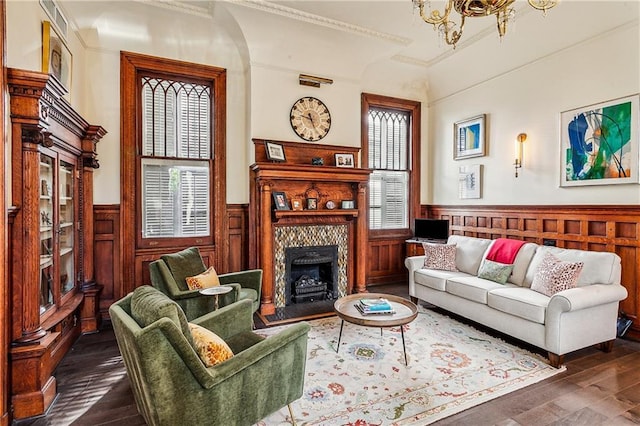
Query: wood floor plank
x=596, y=388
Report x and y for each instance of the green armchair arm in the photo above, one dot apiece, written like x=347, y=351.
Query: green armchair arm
x=229, y=320
x=192, y=302
x=251, y=278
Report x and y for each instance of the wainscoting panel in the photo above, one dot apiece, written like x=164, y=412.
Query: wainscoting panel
x=386, y=261
x=598, y=228
x=108, y=261
x=106, y=255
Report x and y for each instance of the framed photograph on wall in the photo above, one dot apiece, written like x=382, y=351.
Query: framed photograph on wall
x=469, y=138
x=599, y=143
x=275, y=151
x=56, y=56
x=344, y=160
x=470, y=181
x=280, y=200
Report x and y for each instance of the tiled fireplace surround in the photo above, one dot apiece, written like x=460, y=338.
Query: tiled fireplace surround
x=306, y=236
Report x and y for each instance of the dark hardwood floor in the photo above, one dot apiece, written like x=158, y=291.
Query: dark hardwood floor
x=596, y=389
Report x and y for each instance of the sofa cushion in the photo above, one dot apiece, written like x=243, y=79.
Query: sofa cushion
x=599, y=267
x=208, y=278
x=210, y=347
x=148, y=305
x=469, y=252
x=554, y=275
x=471, y=288
x=183, y=264
x=494, y=271
x=435, y=279
x=521, y=302
x=520, y=265
x=440, y=256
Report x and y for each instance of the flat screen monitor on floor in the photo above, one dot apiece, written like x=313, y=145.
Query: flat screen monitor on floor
x=431, y=229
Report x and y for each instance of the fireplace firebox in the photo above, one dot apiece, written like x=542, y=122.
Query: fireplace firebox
x=311, y=273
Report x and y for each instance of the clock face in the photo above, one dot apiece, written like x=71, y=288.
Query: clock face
x=310, y=119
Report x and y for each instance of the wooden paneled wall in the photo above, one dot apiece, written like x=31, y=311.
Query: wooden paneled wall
x=611, y=228
x=386, y=261
x=107, y=251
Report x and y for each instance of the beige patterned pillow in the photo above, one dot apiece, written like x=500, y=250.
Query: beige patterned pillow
x=208, y=278
x=211, y=349
x=440, y=256
x=554, y=275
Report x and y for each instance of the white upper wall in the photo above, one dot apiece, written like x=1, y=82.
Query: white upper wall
x=264, y=55
x=530, y=100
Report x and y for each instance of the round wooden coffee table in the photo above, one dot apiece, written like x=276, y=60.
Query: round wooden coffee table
x=405, y=312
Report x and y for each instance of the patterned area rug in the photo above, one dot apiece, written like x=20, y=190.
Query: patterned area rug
x=452, y=367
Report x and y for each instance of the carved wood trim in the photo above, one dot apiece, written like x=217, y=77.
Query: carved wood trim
x=130, y=246
x=612, y=228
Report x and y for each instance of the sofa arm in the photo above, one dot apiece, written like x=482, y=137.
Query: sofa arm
x=578, y=298
x=414, y=263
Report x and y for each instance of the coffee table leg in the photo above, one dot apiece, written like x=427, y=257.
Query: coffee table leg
x=403, y=347
x=340, y=336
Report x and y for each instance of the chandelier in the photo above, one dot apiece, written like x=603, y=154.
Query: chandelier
x=451, y=32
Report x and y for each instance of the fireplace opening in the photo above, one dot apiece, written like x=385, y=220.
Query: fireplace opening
x=311, y=273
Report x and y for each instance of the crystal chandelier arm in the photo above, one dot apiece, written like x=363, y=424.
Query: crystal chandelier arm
x=435, y=18
x=452, y=36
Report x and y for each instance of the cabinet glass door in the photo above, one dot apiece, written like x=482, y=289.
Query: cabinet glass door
x=46, y=231
x=66, y=224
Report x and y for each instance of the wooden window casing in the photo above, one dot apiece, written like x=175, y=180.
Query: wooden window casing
x=413, y=110
x=133, y=67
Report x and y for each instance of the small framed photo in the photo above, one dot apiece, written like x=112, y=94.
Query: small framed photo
x=469, y=138
x=312, y=204
x=275, y=151
x=296, y=204
x=348, y=204
x=280, y=200
x=344, y=160
x=56, y=56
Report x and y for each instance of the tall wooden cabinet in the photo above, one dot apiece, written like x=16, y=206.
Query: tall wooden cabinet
x=53, y=294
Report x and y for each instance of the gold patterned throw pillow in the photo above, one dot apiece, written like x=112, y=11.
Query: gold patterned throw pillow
x=440, y=256
x=211, y=349
x=208, y=278
x=554, y=275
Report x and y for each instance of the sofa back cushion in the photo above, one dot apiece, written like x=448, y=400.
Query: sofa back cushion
x=521, y=264
x=599, y=267
x=469, y=252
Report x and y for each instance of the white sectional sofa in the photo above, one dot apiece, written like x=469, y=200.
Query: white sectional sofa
x=569, y=320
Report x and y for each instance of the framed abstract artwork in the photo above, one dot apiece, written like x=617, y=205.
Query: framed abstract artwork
x=469, y=138
x=599, y=143
x=469, y=181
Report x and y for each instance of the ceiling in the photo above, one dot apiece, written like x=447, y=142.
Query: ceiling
x=344, y=39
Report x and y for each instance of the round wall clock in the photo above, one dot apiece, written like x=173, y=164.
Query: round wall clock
x=310, y=118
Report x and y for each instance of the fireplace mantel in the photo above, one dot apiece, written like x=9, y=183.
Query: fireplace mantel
x=295, y=178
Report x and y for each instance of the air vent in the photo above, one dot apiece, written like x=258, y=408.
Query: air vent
x=57, y=17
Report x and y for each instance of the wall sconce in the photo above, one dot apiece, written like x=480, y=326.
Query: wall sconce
x=519, y=141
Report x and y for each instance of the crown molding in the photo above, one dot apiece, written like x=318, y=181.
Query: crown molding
x=323, y=21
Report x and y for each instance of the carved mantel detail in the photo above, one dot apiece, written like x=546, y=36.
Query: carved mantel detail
x=298, y=178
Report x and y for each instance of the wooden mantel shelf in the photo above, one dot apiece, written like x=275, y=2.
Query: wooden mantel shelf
x=308, y=172
x=337, y=212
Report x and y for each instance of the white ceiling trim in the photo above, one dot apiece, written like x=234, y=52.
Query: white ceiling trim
x=311, y=18
x=177, y=6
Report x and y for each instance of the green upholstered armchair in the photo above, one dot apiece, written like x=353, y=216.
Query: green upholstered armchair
x=168, y=275
x=172, y=386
